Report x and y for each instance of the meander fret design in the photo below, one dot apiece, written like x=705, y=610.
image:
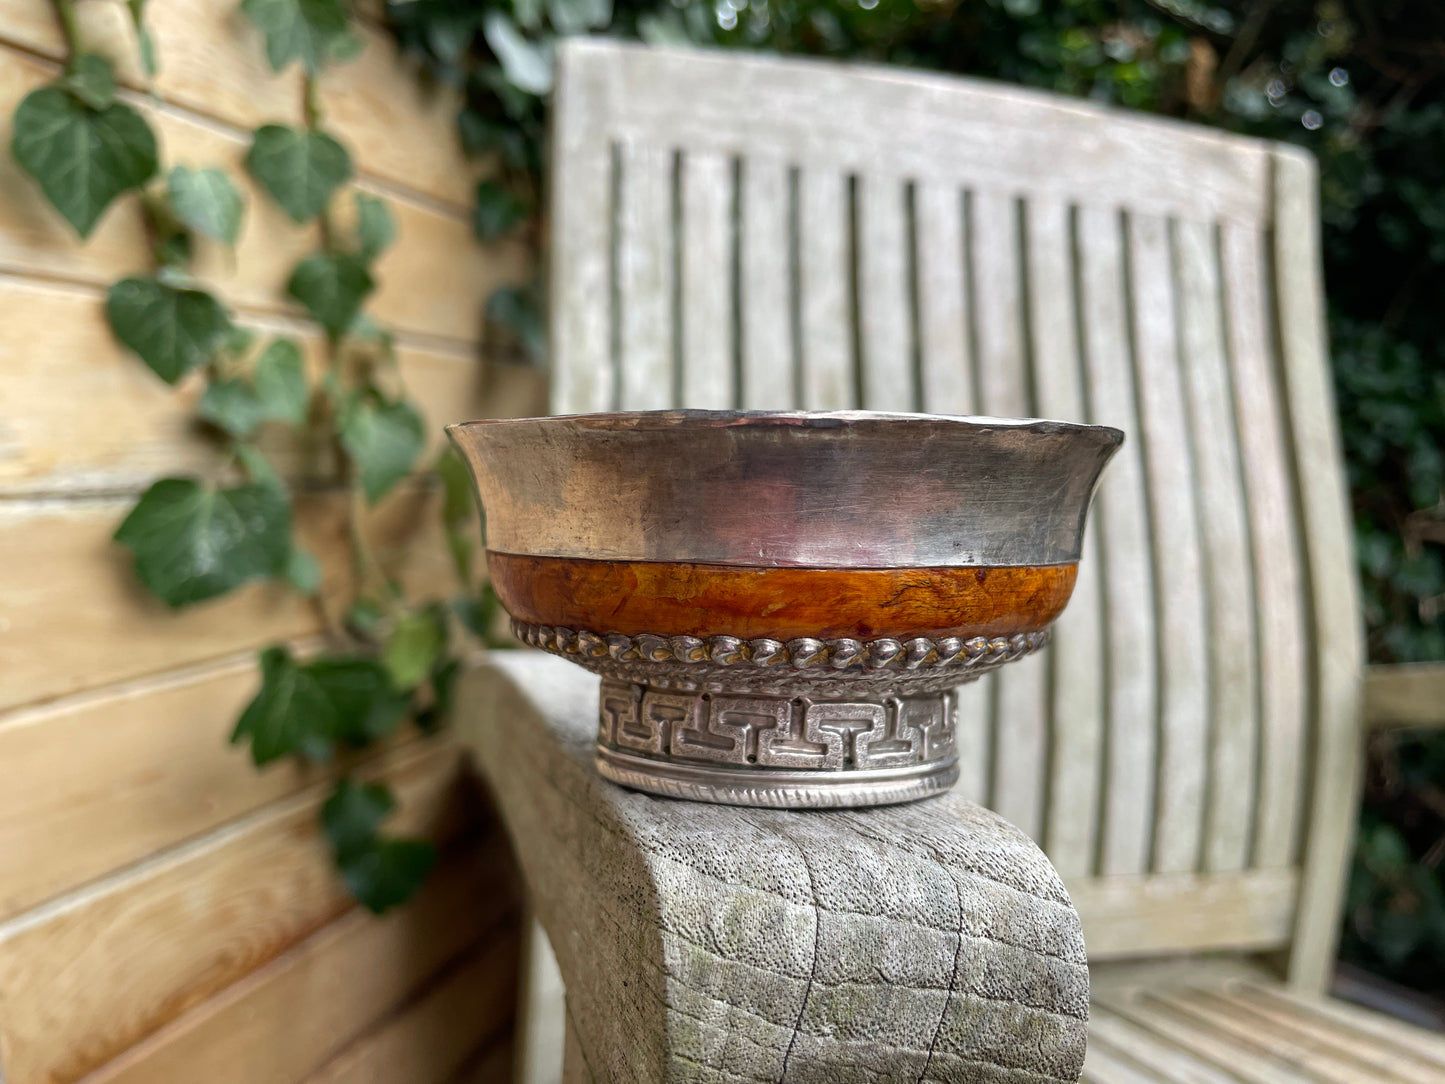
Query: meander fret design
x=748, y=731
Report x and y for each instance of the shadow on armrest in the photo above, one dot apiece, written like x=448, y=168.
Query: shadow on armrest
x=1405, y=695
x=930, y=941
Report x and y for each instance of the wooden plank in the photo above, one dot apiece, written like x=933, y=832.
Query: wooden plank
x=431, y=1039
x=287, y=1019
x=417, y=292
x=125, y=773
x=1122, y=520
x=1112, y=1038
x=1233, y=731
x=926, y=127
x=82, y=414
x=1020, y=716
x=145, y=946
x=645, y=277
x=1326, y=529
x=946, y=369
x=706, y=311
x=400, y=126
x=581, y=320
x=1174, y=525
x=71, y=595
x=1076, y=659
x=1150, y=914
x=1269, y=1019
x=1344, y=1019
x=212, y=60
x=1269, y=1041
x=885, y=305
x=493, y=1064
x=1202, y=1042
x=765, y=288
x=1409, y=694
x=1274, y=538
x=824, y=307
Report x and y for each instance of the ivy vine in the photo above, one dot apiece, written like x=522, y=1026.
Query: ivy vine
x=194, y=538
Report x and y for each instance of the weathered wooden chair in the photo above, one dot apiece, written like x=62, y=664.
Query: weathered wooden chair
x=747, y=232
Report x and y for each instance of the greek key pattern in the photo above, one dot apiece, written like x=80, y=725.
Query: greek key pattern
x=794, y=733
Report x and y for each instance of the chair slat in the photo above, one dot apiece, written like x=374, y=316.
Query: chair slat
x=765, y=287
x=1020, y=710
x=1076, y=657
x=946, y=369
x=884, y=303
x=580, y=318
x=1113, y=1038
x=1184, y=703
x=1128, y=803
x=706, y=237
x=1229, y=804
x=645, y=277
x=1273, y=530
x=824, y=309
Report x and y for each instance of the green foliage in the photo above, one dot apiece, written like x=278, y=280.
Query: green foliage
x=173, y=329
x=332, y=286
x=381, y=873
x=206, y=201
x=498, y=211
x=290, y=715
x=312, y=31
x=83, y=157
x=383, y=439
x=276, y=390
x=300, y=169
x=91, y=81
x=375, y=230
x=415, y=647
x=194, y=541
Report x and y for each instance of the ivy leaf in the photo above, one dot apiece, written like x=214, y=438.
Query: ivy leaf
x=206, y=201
x=91, y=81
x=282, y=393
x=416, y=643
x=290, y=714
x=368, y=707
x=364, y=616
x=352, y=815
x=303, y=570
x=375, y=229
x=193, y=542
x=232, y=406
x=518, y=310
x=384, y=440
x=172, y=329
x=299, y=168
x=258, y=468
x=313, y=30
x=388, y=873
x=83, y=158
x=498, y=211
x=332, y=286
x=527, y=64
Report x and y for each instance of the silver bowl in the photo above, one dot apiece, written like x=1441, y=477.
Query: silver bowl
x=780, y=604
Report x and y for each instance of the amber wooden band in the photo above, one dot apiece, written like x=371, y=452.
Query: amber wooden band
x=676, y=599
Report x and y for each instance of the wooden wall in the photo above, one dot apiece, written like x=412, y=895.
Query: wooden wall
x=167, y=913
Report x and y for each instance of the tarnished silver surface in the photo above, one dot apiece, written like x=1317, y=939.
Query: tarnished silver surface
x=828, y=490
x=803, y=667
x=746, y=749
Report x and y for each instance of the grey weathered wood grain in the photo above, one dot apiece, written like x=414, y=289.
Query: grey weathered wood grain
x=1233, y=732
x=1122, y=516
x=1274, y=541
x=928, y=942
x=645, y=263
x=1076, y=660
x=1169, y=466
x=825, y=312
x=765, y=285
x=706, y=290
x=946, y=369
x=885, y=307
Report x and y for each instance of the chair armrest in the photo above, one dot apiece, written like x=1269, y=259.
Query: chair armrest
x=1407, y=694
x=930, y=941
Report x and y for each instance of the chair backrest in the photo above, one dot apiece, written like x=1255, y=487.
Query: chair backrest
x=744, y=231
